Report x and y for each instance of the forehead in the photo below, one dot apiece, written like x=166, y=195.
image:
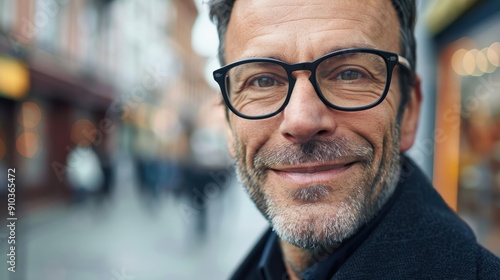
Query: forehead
x=294, y=30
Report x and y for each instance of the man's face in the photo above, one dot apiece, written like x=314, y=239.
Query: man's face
x=316, y=173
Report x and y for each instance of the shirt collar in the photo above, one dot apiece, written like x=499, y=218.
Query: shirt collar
x=271, y=264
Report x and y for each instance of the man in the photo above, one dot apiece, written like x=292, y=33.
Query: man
x=323, y=102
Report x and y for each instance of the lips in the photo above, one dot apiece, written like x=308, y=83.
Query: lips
x=312, y=174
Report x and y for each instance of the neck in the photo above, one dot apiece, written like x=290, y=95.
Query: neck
x=297, y=260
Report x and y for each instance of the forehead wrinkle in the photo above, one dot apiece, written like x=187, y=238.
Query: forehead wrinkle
x=264, y=26
x=325, y=14
x=377, y=26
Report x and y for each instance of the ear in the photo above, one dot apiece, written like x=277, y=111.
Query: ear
x=409, y=121
x=229, y=139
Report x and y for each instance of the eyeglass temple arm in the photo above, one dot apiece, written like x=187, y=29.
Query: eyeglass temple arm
x=407, y=67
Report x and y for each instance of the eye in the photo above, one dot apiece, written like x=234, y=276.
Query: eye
x=349, y=75
x=264, y=82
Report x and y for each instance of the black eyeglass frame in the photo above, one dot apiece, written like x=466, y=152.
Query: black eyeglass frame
x=391, y=59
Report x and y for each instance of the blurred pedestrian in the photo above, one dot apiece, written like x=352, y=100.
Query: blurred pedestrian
x=84, y=172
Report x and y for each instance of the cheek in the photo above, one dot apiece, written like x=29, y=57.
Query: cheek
x=383, y=117
x=376, y=126
x=250, y=136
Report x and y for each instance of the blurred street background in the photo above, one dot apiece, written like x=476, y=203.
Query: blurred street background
x=109, y=117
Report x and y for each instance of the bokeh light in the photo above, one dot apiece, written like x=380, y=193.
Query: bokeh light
x=457, y=61
x=481, y=62
x=494, y=54
x=83, y=133
x=27, y=144
x=475, y=62
x=31, y=114
x=14, y=77
x=489, y=66
x=470, y=64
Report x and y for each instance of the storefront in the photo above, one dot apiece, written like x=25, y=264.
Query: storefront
x=42, y=104
x=467, y=128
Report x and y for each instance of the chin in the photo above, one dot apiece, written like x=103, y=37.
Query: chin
x=315, y=225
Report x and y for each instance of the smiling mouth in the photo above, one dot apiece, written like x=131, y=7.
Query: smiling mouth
x=312, y=174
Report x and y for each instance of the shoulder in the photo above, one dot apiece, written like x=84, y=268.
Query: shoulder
x=488, y=265
x=420, y=236
x=247, y=270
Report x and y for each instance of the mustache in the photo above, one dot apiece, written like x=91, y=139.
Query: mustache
x=315, y=151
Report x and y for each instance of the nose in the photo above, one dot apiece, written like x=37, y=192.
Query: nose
x=306, y=117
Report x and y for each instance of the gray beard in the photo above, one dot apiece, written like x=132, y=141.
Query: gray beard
x=324, y=231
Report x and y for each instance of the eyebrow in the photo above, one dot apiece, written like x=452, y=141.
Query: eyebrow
x=277, y=56
x=281, y=57
x=351, y=46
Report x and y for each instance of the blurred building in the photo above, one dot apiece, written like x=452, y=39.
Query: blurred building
x=466, y=136
x=111, y=75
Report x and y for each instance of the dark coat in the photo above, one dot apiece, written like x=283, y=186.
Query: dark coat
x=419, y=237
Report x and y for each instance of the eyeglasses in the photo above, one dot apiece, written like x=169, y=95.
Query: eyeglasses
x=346, y=80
